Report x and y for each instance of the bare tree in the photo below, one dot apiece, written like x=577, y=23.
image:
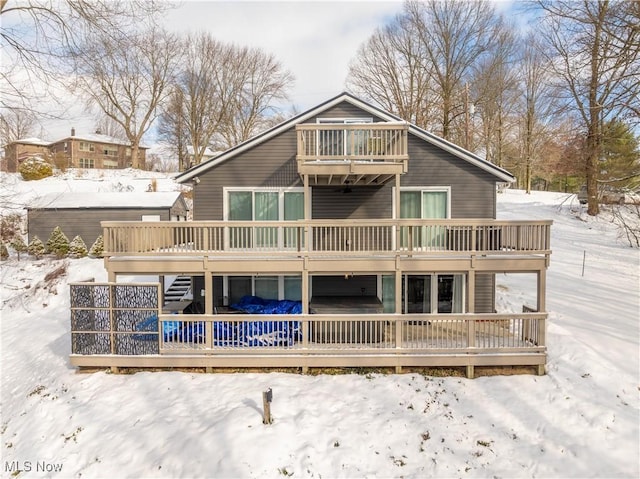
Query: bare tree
x=537, y=106
x=454, y=36
x=172, y=127
x=494, y=85
x=106, y=125
x=262, y=83
x=126, y=78
x=222, y=95
x=390, y=70
x=16, y=123
x=594, y=48
x=37, y=35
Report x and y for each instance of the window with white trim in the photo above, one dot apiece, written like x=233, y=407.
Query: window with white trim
x=86, y=163
x=86, y=146
x=429, y=202
x=263, y=204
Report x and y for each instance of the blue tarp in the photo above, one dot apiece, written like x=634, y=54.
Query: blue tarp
x=257, y=305
x=250, y=333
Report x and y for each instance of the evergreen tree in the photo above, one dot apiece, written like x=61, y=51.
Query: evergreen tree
x=19, y=245
x=4, y=252
x=58, y=243
x=77, y=248
x=97, y=249
x=620, y=161
x=36, y=247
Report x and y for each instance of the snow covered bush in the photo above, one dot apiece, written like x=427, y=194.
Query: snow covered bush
x=35, y=168
x=10, y=226
x=36, y=247
x=97, y=249
x=77, y=248
x=19, y=245
x=4, y=252
x=58, y=243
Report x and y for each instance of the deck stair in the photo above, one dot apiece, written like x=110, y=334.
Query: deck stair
x=180, y=289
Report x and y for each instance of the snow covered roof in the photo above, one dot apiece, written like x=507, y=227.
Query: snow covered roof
x=31, y=141
x=207, y=151
x=106, y=200
x=98, y=138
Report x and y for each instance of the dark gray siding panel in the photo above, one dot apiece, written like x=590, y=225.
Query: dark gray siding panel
x=344, y=110
x=473, y=191
x=339, y=286
x=485, y=297
x=83, y=222
x=270, y=164
x=273, y=164
x=360, y=203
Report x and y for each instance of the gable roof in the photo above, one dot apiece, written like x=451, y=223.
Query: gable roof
x=29, y=141
x=499, y=173
x=98, y=138
x=111, y=200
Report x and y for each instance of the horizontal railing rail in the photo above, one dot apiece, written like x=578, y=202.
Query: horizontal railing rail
x=315, y=334
x=361, y=141
x=326, y=237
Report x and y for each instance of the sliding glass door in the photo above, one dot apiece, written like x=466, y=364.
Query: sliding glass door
x=263, y=205
x=420, y=203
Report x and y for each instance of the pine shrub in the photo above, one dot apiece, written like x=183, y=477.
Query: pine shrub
x=10, y=226
x=77, y=248
x=36, y=247
x=58, y=243
x=19, y=245
x=35, y=168
x=4, y=252
x=97, y=249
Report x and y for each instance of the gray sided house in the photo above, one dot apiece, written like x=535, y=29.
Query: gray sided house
x=374, y=242
x=80, y=214
x=440, y=181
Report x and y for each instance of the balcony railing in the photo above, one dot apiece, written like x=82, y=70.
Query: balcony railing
x=326, y=237
x=120, y=324
x=361, y=141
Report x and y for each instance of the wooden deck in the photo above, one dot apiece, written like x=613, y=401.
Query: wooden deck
x=119, y=326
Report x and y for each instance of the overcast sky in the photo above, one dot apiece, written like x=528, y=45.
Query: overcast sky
x=314, y=40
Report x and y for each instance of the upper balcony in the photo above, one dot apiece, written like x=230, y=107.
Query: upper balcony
x=328, y=245
x=352, y=154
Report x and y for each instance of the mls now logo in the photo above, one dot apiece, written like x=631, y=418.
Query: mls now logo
x=28, y=466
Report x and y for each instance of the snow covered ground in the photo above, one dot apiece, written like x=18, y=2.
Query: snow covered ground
x=580, y=420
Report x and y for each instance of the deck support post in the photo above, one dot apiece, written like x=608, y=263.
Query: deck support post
x=470, y=371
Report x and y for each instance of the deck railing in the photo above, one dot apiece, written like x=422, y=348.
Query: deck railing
x=120, y=324
x=331, y=237
x=360, y=141
x=310, y=334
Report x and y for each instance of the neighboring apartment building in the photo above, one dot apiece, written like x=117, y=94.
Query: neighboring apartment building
x=93, y=150
x=18, y=151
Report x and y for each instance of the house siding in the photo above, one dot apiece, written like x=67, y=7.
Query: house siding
x=82, y=222
x=273, y=164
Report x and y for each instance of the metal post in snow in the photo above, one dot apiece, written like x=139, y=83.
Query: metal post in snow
x=584, y=258
x=267, y=397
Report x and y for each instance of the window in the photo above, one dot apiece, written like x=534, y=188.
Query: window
x=263, y=205
x=110, y=164
x=266, y=287
x=86, y=146
x=110, y=151
x=424, y=203
x=426, y=293
x=86, y=163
